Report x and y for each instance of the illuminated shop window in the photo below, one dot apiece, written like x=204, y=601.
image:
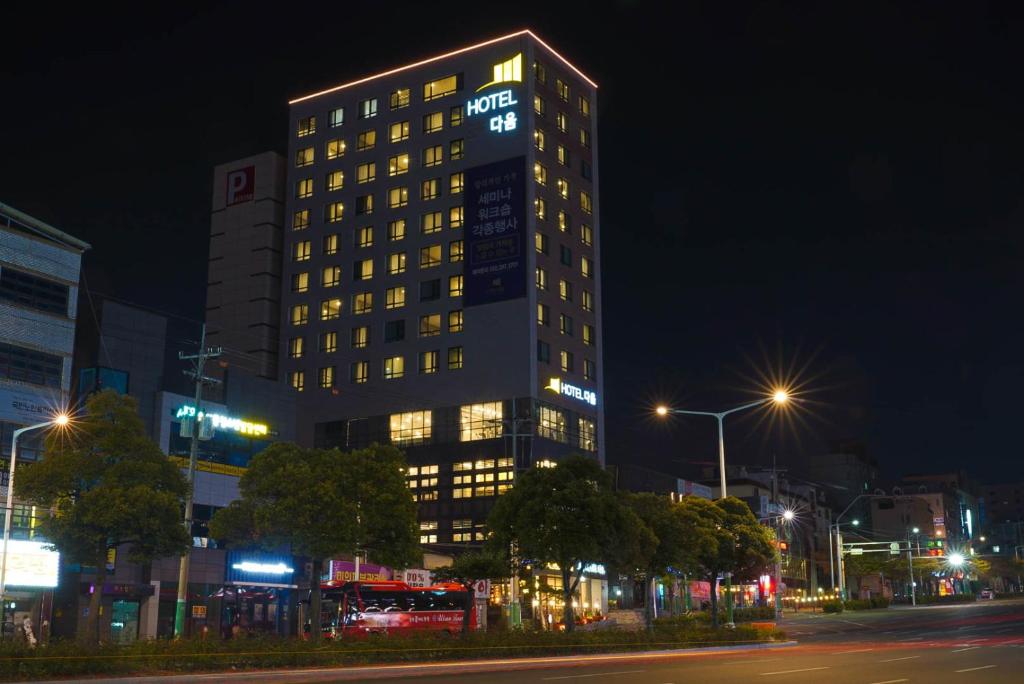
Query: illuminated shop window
x=480, y=421
x=412, y=427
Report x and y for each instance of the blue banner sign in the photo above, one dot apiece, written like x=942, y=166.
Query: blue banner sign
x=496, y=259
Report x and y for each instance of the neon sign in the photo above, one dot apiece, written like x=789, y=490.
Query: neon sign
x=509, y=71
x=565, y=389
x=263, y=568
x=244, y=427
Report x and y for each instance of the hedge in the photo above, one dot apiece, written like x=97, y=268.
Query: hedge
x=949, y=598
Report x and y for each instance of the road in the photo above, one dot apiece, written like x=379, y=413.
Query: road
x=981, y=642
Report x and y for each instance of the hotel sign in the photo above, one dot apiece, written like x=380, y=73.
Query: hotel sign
x=223, y=422
x=509, y=71
x=572, y=391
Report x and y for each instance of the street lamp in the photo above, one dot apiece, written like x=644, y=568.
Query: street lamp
x=60, y=420
x=779, y=396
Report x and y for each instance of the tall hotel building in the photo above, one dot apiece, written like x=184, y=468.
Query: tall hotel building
x=440, y=283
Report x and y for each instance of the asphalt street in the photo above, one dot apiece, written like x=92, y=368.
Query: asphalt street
x=981, y=642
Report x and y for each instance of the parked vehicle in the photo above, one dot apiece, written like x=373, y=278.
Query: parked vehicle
x=987, y=594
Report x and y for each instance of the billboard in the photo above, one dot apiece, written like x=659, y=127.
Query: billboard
x=260, y=569
x=31, y=564
x=496, y=258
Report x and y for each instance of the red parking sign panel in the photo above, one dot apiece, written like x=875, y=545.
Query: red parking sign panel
x=241, y=186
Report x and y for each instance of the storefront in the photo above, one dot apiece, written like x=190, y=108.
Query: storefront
x=32, y=575
x=258, y=595
x=544, y=598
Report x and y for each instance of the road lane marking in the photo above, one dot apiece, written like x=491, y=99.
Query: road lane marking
x=851, y=622
x=596, y=674
x=912, y=639
x=859, y=650
x=891, y=681
x=969, y=648
x=803, y=669
x=751, y=662
x=893, y=660
x=972, y=669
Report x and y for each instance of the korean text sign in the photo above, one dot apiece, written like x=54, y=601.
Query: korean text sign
x=496, y=263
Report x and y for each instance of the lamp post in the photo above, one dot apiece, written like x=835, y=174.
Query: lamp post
x=910, y=566
x=778, y=397
x=839, y=543
x=786, y=517
x=60, y=420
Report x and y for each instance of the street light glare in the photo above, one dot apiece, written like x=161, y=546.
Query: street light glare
x=916, y=530
x=62, y=419
x=956, y=559
x=780, y=396
x=856, y=522
x=788, y=515
x=661, y=410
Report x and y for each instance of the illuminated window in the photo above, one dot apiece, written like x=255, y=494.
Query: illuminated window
x=563, y=155
x=440, y=87
x=334, y=212
x=330, y=244
x=325, y=377
x=543, y=314
x=300, y=219
x=431, y=222
x=396, y=263
x=583, y=104
x=360, y=336
x=335, y=180
x=540, y=242
x=543, y=351
x=455, y=115
x=398, y=165
x=455, y=183
x=364, y=237
x=366, y=172
x=563, y=89
x=552, y=424
x=300, y=314
x=362, y=269
x=301, y=250
x=455, y=321
x=300, y=282
x=307, y=126
x=362, y=302
x=565, y=325
x=430, y=189
x=542, y=279
x=430, y=325
x=396, y=230
x=394, y=367
x=456, y=149
x=297, y=380
x=586, y=234
x=304, y=156
x=335, y=148
x=295, y=345
x=562, y=121
x=587, y=267
x=589, y=336
x=565, y=255
x=366, y=140
x=398, y=131
x=454, y=358
x=540, y=208
x=538, y=105
x=589, y=370
x=368, y=108
x=484, y=491
x=484, y=477
x=398, y=197
x=428, y=362
x=304, y=188
x=562, y=186
x=586, y=203
x=328, y=342
x=455, y=217
x=564, y=290
x=430, y=256
x=588, y=434
x=455, y=283
x=412, y=427
x=359, y=372
x=588, y=300
x=433, y=122
x=564, y=221
x=538, y=139
x=567, y=364
x=336, y=117
x=330, y=276
x=540, y=173
x=540, y=73
x=480, y=421
x=462, y=466
x=434, y=155
x=394, y=297
x=455, y=251
x=585, y=138
x=400, y=98
x=330, y=309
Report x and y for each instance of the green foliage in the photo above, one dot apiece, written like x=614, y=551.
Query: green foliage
x=949, y=598
x=832, y=606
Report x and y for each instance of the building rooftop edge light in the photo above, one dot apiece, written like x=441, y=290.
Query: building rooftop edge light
x=443, y=56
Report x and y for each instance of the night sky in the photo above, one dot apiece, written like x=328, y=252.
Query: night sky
x=832, y=195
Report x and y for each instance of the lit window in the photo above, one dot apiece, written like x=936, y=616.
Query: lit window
x=586, y=234
x=300, y=282
x=366, y=172
x=368, y=108
x=589, y=370
x=398, y=131
x=362, y=269
x=336, y=117
x=359, y=372
x=396, y=230
x=330, y=276
x=455, y=283
x=307, y=126
x=398, y=197
x=410, y=428
x=540, y=73
x=565, y=325
x=588, y=435
x=542, y=279
x=455, y=321
x=335, y=180
x=301, y=250
x=540, y=173
x=462, y=493
x=430, y=256
x=330, y=244
x=328, y=342
x=396, y=263
x=433, y=122
x=440, y=87
x=428, y=539
x=587, y=267
x=297, y=380
x=565, y=290
x=360, y=336
x=325, y=377
x=304, y=188
x=562, y=121
x=562, y=186
x=300, y=314
x=364, y=237
x=540, y=241
x=552, y=424
x=304, y=156
x=480, y=421
x=398, y=165
x=295, y=345
x=589, y=337
x=585, y=138
x=334, y=212
x=428, y=362
x=454, y=358
x=455, y=115
x=538, y=105
x=543, y=351
x=335, y=148
x=394, y=297
x=543, y=314
x=330, y=309
x=456, y=149
x=430, y=325
x=583, y=105
x=394, y=367
x=563, y=155
x=563, y=89
x=484, y=491
x=455, y=217
x=586, y=203
x=362, y=302
x=564, y=221
x=455, y=183
x=588, y=301
x=455, y=251
x=367, y=140
x=430, y=189
x=567, y=364
x=434, y=155
x=400, y=98
x=300, y=219
x=540, y=208
x=538, y=139
x=431, y=222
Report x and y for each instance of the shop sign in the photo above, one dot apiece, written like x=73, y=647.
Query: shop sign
x=199, y=612
x=345, y=571
x=260, y=570
x=559, y=386
x=414, y=577
x=23, y=407
x=222, y=422
x=31, y=564
x=482, y=589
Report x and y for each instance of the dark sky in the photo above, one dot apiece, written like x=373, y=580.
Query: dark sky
x=783, y=187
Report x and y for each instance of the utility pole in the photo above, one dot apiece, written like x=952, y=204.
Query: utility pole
x=778, y=544
x=910, y=566
x=205, y=353
x=514, y=609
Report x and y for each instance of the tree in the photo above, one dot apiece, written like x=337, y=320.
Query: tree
x=866, y=564
x=470, y=568
x=106, y=484
x=570, y=516
x=323, y=503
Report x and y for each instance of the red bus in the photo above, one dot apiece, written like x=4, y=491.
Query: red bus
x=357, y=609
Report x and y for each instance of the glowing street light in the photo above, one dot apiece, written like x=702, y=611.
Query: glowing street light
x=781, y=396
x=956, y=559
x=789, y=515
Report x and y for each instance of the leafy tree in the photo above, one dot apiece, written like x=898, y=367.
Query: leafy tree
x=105, y=484
x=470, y=568
x=865, y=565
x=567, y=515
x=322, y=503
